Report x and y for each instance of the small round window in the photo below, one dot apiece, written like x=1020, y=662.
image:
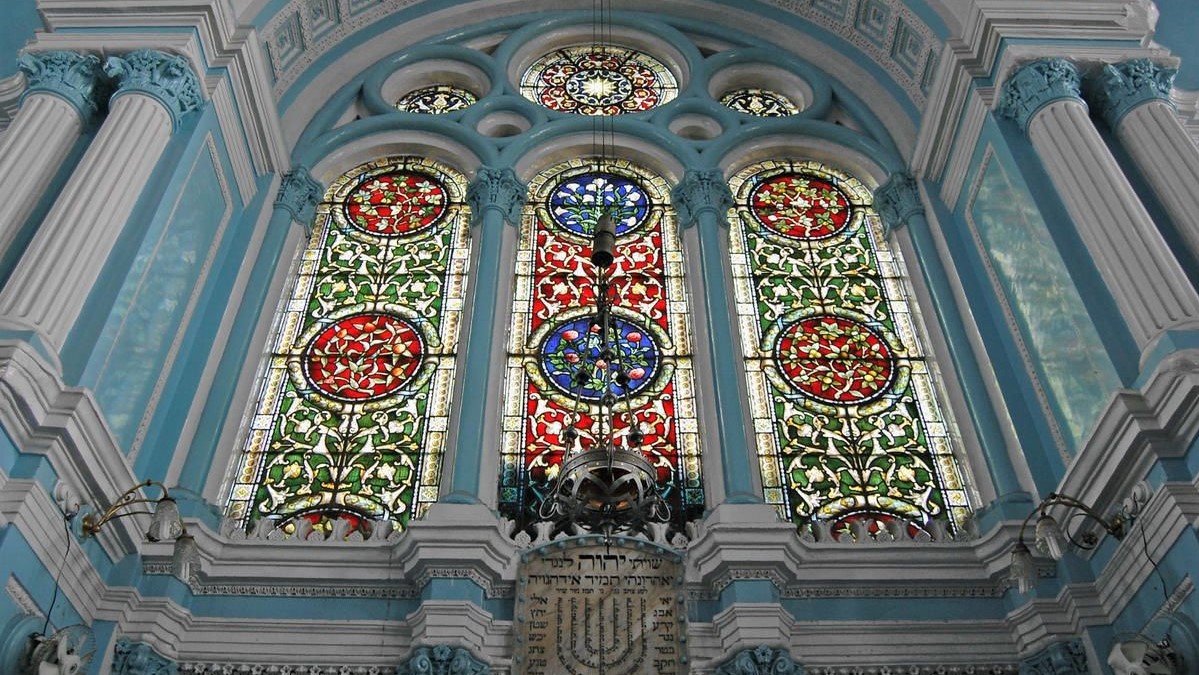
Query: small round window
x=599, y=80
x=759, y=102
x=435, y=100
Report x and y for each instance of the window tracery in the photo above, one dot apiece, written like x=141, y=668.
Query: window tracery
x=551, y=332
x=844, y=406
x=352, y=413
x=599, y=80
x=759, y=102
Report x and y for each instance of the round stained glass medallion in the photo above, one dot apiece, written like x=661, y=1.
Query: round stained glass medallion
x=577, y=203
x=363, y=357
x=800, y=206
x=592, y=80
x=396, y=204
x=435, y=100
x=759, y=103
x=835, y=360
x=575, y=346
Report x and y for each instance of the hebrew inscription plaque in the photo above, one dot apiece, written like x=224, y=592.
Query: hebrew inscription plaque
x=587, y=608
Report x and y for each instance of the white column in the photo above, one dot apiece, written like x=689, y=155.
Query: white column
x=1148, y=283
x=1134, y=98
x=59, y=102
x=50, y=284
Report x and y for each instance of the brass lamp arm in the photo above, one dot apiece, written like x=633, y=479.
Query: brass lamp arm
x=1114, y=527
x=91, y=525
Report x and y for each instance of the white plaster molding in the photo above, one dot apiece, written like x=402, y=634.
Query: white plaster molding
x=215, y=41
x=1042, y=621
x=460, y=622
x=43, y=416
x=22, y=599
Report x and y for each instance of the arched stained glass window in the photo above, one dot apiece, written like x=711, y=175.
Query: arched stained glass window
x=436, y=100
x=845, y=410
x=599, y=80
x=759, y=103
x=353, y=409
x=553, y=302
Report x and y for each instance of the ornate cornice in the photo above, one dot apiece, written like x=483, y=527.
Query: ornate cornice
x=442, y=660
x=1120, y=87
x=138, y=658
x=898, y=200
x=760, y=661
x=701, y=191
x=75, y=78
x=299, y=194
x=1035, y=85
x=1060, y=658
x=169, y=78
x=497, y=189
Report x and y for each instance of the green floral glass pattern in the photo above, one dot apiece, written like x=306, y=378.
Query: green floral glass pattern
x=353, y=409
x=844, y=406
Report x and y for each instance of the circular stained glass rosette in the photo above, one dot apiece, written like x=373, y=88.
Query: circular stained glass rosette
x=397, y=204
x=363, y=357
x=800, y=207
x=759, y=103
x=835, y=360
x=575, y=346
x=590, y=80
x=577, y=203
x=435, y=100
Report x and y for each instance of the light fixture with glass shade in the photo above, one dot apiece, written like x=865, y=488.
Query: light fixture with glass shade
x=1052, y=541
x=165, y=524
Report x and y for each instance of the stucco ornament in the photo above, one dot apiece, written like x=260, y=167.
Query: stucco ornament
x=442, y=660
x=73, y=77
x=299, y=194
x=897, y=201
x=700, y=191
x=498, y=189
x=138, y=658
x=1035, y=85
x=1123, y=86
x=166, y=77
x=762, y=660
x=1062, y=658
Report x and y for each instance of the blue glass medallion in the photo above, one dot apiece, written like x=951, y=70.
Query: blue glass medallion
x=575, y=347
x=577, y=203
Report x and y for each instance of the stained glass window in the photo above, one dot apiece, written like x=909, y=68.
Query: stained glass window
x=435, y=100
x=598, y=80
x=759, y=102
x=550, y=327
x=844, y=406
x=352, y=413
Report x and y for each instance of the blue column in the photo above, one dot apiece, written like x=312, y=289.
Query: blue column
x=703, y=200
x=495, y=196
x=898, y=204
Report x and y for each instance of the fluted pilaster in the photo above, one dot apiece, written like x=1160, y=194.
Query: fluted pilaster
x=47, y=290
x=1150, y=288
x=1135, y=100
x=59, y=102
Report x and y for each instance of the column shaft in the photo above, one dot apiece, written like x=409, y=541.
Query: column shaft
x=1149, y=286
x=48, y=289
x=34, y=147
x=1166, y=154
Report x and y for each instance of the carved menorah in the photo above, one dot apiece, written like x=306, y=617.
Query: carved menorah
x=604, y=635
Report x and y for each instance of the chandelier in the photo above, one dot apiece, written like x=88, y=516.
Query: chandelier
x=605, y=484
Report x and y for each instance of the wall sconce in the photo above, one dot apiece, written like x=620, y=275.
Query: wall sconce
x=1050, y=539
x=165, y=523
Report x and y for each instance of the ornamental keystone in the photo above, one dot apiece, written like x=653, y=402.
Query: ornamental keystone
x=75, y=78
x=169, y=78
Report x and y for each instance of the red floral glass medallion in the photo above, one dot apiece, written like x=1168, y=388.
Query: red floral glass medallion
x=363, y=357
x=800, y=207
x=835, y=360
x=396, y=204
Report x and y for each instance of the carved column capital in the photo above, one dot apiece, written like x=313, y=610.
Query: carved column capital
x=898, y=200
x=760, y=661
x=1035, y=85
x=442, y=660
x=169, y=78
x=299, y=194
x=75, y=78
x=498, y=189
x=1120, y=87
x=701, y=190
x=1060, y=658
x=138, y=658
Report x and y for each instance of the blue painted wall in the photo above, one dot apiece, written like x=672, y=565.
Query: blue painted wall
x=20, y=20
